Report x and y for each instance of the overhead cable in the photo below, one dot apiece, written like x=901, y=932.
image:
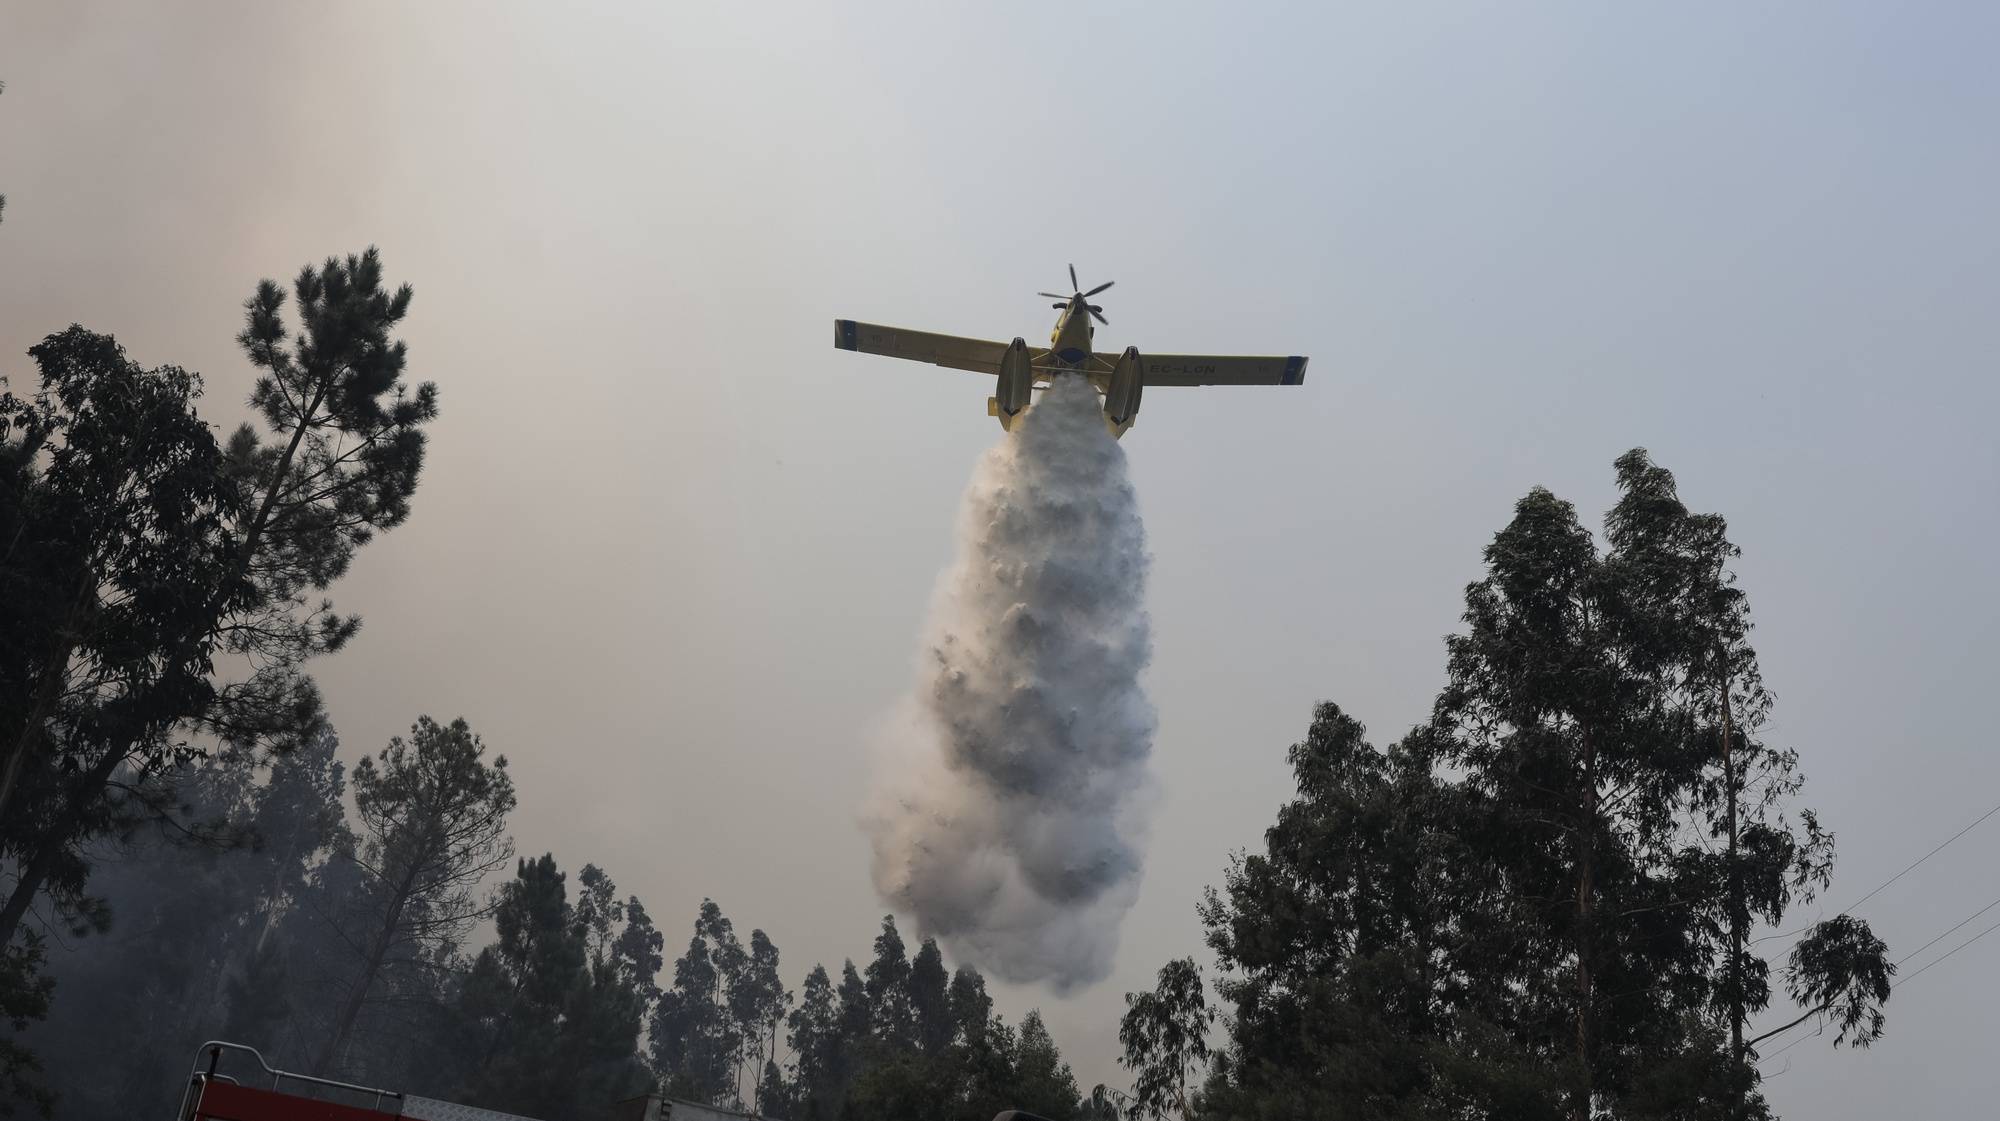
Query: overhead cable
x=1849, y=909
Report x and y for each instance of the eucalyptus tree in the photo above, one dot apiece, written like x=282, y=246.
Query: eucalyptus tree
x=1165, y=1037
x=813, y=1034
x=1749, y=854
x=889, y=988
x=930, y=999
x=552, y=1020
x=1347, y=959
x=116, y=513
x=1602, y=710
x=758, y=1003
x=971, y=1007
x=696, y=1042
x=1043, y=1083
x=637, y=951
x=1538, y=902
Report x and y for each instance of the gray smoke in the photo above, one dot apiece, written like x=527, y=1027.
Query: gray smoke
x=1013, y=794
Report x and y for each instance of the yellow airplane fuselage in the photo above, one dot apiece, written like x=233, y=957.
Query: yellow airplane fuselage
x=1069, y=343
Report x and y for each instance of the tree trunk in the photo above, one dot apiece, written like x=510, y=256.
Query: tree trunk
x=271, y=900
x=47, y=688
x=500, y=1029
x=31, y=727
x=42, y=860
x=351, y=1009
x=1586, y=906
x=255, y=536
x=33, y=873
x=1737, y=917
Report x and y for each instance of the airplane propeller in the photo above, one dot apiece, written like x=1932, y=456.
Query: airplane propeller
x=1094, y=309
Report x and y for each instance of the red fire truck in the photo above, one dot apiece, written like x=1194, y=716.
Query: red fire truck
x=232, y=1082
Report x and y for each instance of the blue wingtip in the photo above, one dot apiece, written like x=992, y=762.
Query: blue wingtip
x=1295, y=370
x=843, y=334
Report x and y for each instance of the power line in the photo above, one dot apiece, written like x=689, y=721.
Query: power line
x=1907, y=869
x=1948, y=953
x=1849, y=909
x=1794, y=1043
x=1941, y=937
x=1924, y=857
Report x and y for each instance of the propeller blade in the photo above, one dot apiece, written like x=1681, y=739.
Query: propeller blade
x=1062, y=304
x=1100, y=317
x=1100, y=288
x=1072, y=280
x=1053, y=295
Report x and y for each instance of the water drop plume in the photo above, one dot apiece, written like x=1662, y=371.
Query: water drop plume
x=1012, y=797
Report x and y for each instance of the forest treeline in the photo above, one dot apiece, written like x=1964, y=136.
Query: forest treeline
x=180, y=860
x=1541, y=902
x=339, y=945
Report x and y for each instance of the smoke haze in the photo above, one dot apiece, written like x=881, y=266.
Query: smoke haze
x=660, y=559
x=1011, y=805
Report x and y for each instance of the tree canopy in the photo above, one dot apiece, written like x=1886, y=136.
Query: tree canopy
x=1538, y=902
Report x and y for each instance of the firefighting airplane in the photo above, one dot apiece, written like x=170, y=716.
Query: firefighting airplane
x=1121, y=378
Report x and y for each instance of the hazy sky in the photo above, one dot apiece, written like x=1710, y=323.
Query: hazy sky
x=672, y=551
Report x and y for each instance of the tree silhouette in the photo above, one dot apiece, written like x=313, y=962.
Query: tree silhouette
x=433, y=819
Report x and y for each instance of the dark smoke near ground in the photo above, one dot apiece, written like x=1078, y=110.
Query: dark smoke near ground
x=1010, y=812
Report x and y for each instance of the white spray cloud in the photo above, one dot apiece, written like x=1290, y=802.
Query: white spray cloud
x=1012, y=799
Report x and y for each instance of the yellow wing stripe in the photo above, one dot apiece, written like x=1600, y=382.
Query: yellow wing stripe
x=1220, y=369
x=955, y=351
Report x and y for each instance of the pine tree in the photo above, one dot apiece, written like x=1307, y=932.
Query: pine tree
x=218, y=554
x=433, y=822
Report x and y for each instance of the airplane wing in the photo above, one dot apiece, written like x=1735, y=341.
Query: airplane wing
x=1219, y=369
x=977, y=355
